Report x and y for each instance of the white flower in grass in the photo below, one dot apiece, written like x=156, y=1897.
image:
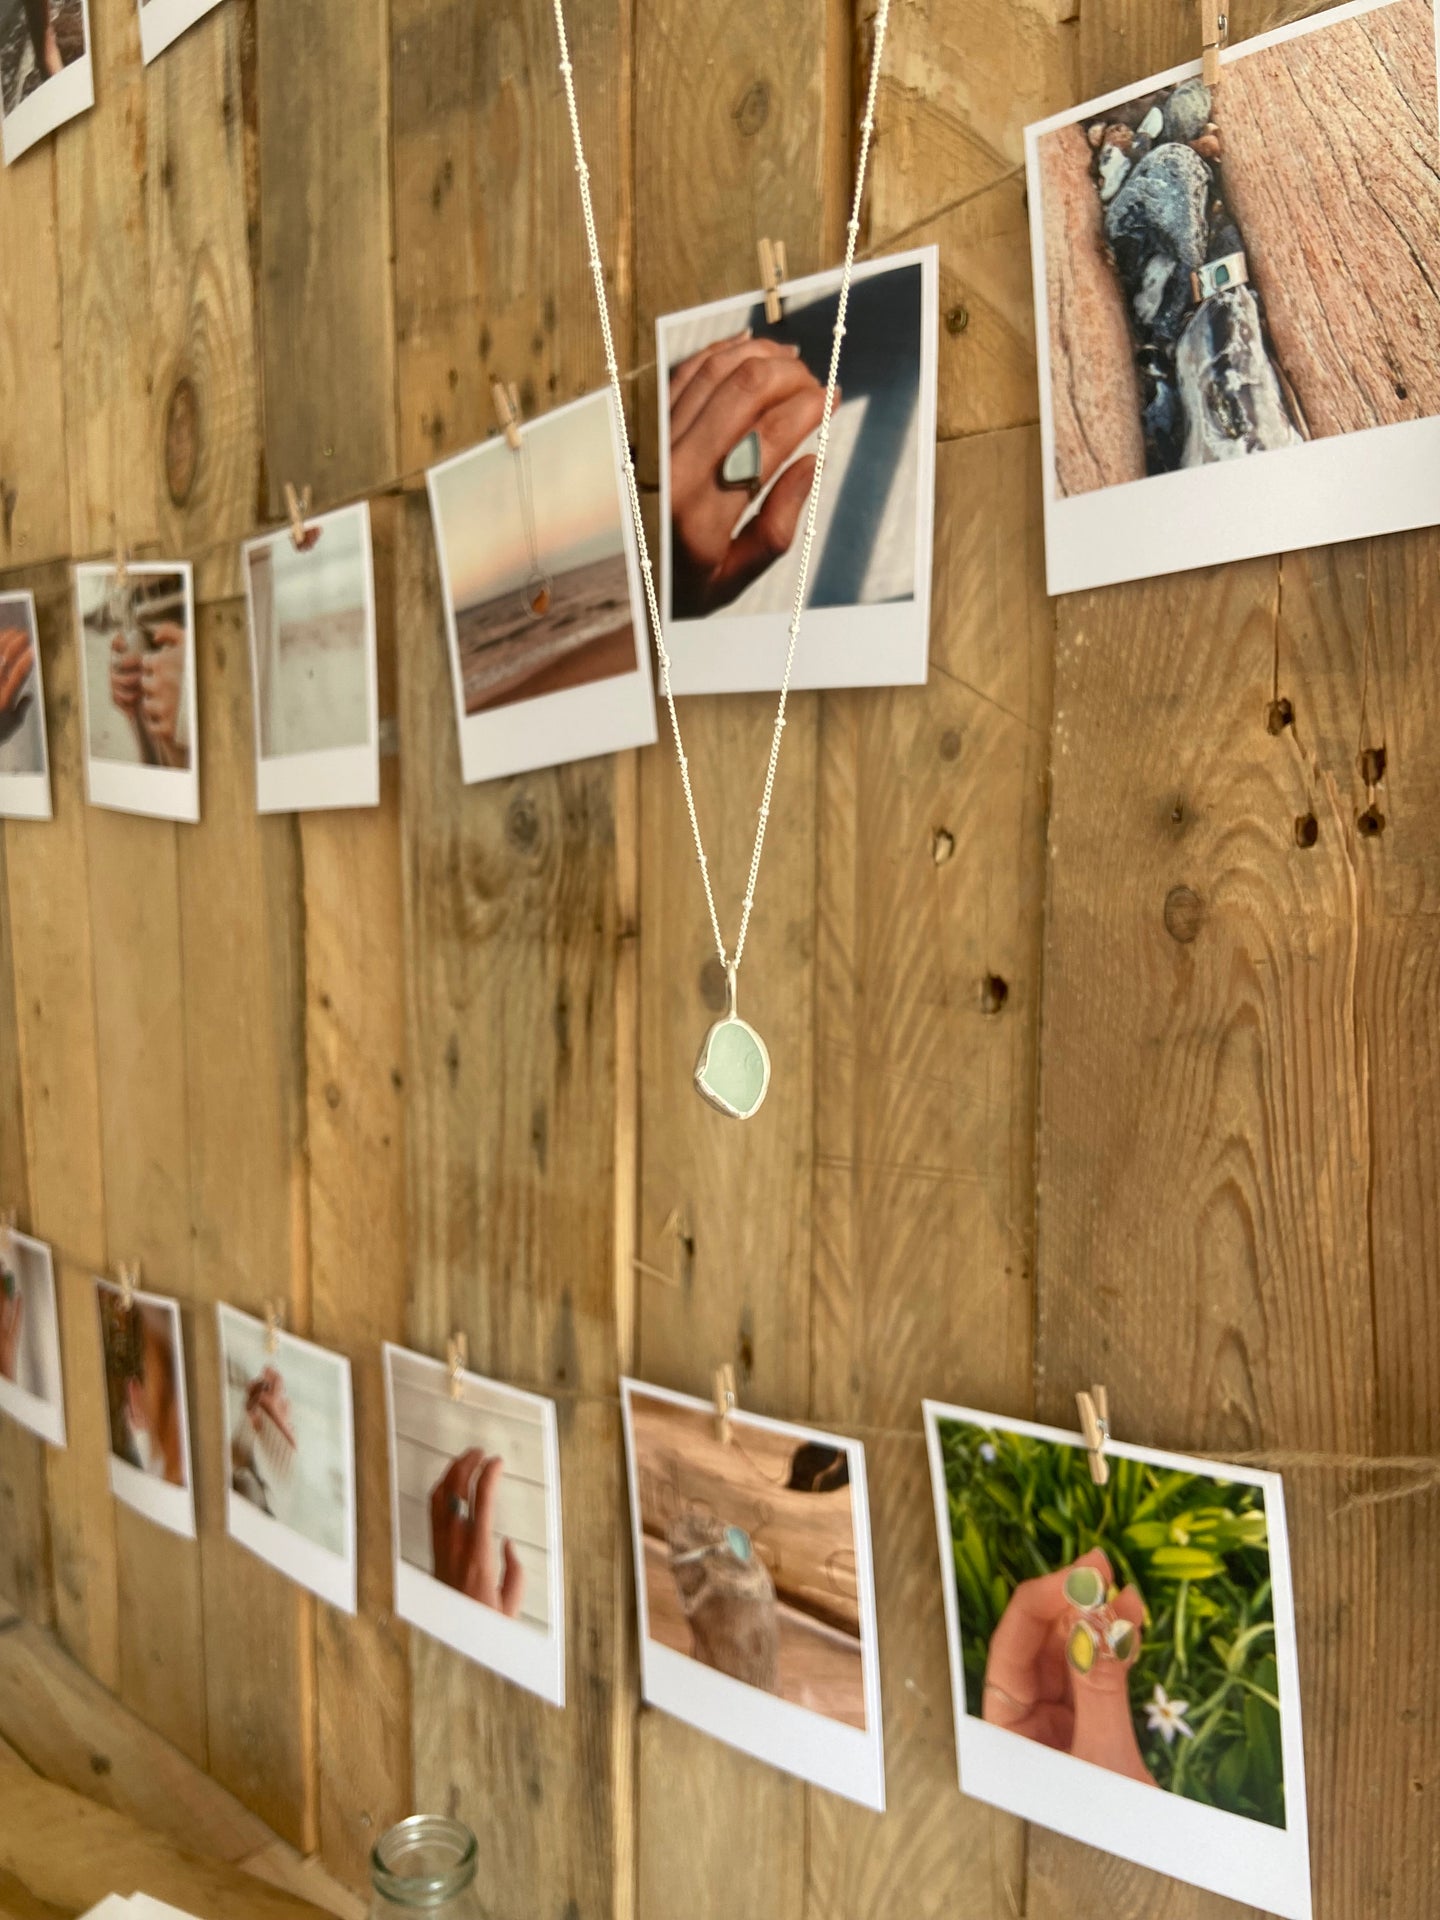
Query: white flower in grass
x=987, y=1453
x=1166, y=1716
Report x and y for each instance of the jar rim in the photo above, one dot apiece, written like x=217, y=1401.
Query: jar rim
x=430, y=1888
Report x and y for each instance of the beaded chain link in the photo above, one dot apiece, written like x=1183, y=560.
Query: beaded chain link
x=852, y=230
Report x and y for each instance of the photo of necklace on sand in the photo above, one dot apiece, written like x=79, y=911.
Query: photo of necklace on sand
x=742, y=401
x=755, y=1587
x=1237, y=295
x=549, y=656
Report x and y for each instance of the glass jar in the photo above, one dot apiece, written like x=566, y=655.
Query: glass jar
x=425, y=1865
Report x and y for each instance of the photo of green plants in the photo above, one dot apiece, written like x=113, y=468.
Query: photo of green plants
x=1203, y=1687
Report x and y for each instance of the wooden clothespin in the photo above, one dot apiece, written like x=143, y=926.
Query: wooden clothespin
x=122, y=561
x=297, y=505
x=274, y=1321
x=129, y=1280
x=1215, y=33
x=457, y=1357
x=1095, y=1425
x=9, y=1220
x=726, y=1401
x=507, y=411
x=772, y=275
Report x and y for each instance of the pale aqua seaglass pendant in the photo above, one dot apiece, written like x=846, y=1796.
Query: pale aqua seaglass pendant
x=733, y=1071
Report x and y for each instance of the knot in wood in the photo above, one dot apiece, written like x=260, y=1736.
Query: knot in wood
x=522, y=824
x=1184, y=914
x=182, y=440
x=752, y=109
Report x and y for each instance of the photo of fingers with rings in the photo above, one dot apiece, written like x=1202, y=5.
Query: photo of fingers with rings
x=1059, y=1665
x=462, y=1533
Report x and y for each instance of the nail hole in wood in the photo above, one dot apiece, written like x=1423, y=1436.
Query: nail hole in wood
x=1369, y=822
x=1372, y=765
x=1307, y=830
x=1279, y=715
x=994, y=992
x=958, y=318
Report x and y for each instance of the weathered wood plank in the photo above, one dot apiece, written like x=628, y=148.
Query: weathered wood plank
x=34, y=486
x=355, y=1131
x=511, y=934
x=739, y=132
x=25, y=1579
x=53, y=961
x=134, y=909
x=491, y=274
x=240, y=919
x=326, y=292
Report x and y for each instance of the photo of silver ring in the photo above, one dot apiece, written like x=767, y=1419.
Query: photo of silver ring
x=740, y=469
x=460, y=1508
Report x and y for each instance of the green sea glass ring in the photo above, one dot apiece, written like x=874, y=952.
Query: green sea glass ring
x=1084, y=1588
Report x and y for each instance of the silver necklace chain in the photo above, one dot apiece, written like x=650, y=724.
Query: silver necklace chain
x=852, y=230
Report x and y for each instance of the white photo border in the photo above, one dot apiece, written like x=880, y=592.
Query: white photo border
x=516, y=1650
x=333, y=1576
x=578, y=723
x=161, y=793
x=163, y=21
x=26, y=796
x=1224, y=1853
x=1347, y=486
x=32, y=1410
x=331, y=777
x=838, y=646
x=65, y=94
x=849, y=1761
x=170, y=1507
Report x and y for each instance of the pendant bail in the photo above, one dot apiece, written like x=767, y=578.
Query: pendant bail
x=730, y=989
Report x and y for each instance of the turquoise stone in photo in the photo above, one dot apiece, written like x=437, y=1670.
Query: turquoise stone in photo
x=733, y=1070
x=741, y=466
x=738, y=1541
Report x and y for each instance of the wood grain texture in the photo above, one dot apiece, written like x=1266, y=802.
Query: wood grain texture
x=355, y=1129
x=239, y=875
x=25, y=1578
x=326, y=289
x=511, y=937
x=52, y=956
x=134, y=907
x=491, y=273
x=34, y=486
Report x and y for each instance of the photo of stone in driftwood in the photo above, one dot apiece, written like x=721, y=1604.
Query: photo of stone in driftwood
x=1236, y=271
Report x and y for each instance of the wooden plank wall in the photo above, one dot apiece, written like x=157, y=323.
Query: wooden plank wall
x=427, y=1068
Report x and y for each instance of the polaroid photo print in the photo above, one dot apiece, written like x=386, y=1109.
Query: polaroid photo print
x=755, y=1587
x=32, y=1387
x=543, y=604
x=313, y=666
x=1123, y=1657
x=143, y=1351
x=743, y=401
x=163, y=21
x=137, y=639
x=24, y=760
x=475, y=1518
x=1238, y=322
x=46, y=76
x=290, y=1443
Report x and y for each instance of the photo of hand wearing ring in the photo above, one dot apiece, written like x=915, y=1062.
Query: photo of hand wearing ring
x=462, y=1534
x=138, y=646
x=1059, y=1665
x=740, y=411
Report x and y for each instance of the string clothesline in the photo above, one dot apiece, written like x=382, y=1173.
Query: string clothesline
x=414, y=477
x=1423, y=1470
